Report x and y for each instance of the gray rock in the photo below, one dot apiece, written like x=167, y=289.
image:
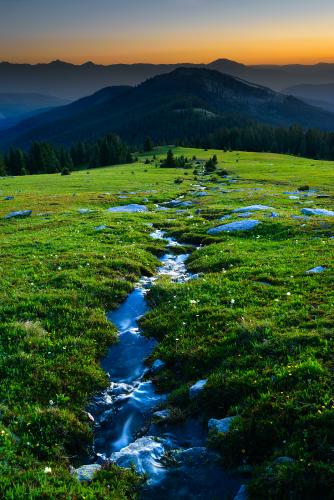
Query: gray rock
x=242, y=493
x=197, y=388
x=85, y=211
x=274, y=215
x=316, y=270
x=9, y=198
x=132, y=208
x=86, y=472
x=19, y=213
x=158, y=365
x=222, y=425
x=245, y=214
x=144, y=454
x=162, y=414
x=317, y=211
x=106, y=417
x=242, y=225
x=100, y=228
x=252, y=208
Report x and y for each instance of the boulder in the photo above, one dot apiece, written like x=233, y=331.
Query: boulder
x=162, y=414
x=9, y=198
x=100, y=228
x=222, y=425
x=317, y=211
x=245, y=214
x=143, y=454
x=197, y=388
x=86, y=472
x=85, y=211
x=252, y=208
x=132, y=208
x=19, y=213
x=316, y=270
x=242, y=225
x=242, y=493
x=158, y=365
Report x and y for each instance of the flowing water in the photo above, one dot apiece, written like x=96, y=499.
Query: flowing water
x=124, y=432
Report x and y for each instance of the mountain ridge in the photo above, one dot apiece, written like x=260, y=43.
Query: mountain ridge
x=166, y=107
x=71, y=81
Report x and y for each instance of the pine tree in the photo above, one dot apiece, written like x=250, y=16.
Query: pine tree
x=2, y=165
x=148, y=145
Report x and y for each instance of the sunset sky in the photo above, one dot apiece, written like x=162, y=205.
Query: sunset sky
x=112, y=31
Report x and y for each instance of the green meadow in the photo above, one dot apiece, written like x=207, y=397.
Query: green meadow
x=254, y=323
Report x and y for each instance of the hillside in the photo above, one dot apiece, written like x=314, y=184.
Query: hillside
x=185, y=103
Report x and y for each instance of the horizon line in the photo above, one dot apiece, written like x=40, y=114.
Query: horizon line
x=52, y=61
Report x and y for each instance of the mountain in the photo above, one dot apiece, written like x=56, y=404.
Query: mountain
x=15, y=107
x=185, y=103
x=72, y=81
x=317, y=95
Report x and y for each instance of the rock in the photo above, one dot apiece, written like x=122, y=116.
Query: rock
x=317, y=211
x=85, y=211
x=144, y=454
x=9, y=198
x=242, y=225
x=274, y=215
x=118, y=388
x=197, y=388
x=245, y=214
x=179, y=203
x=162, y=414
x=200, y=195
x=198, y=455
x=157, y=365
x=242, y=493
x=222, y=425
x=106, y=417
x=252, y=208
x=100, y=228
x=316, y=270
x=132, y=208
x=19, y=213
x=293, y=197
x=86, y=472
x=284, y=460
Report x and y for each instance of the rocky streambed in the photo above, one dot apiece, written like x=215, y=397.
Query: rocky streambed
x=131, y=427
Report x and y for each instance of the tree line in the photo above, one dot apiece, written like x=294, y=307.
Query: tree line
x=294, y=140
x=45, y=158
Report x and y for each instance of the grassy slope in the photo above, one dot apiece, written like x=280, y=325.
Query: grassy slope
x=268, y=355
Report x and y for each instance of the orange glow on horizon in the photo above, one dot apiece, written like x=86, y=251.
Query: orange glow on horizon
x=264, y=50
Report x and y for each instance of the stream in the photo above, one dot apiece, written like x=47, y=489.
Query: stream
x=173, y=457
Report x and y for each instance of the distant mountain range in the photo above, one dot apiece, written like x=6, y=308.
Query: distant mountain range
x=321, y=95
x=188, y=102
x=14, y=107
x=71, y=81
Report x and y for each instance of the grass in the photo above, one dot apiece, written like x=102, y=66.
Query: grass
x=261, y=330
